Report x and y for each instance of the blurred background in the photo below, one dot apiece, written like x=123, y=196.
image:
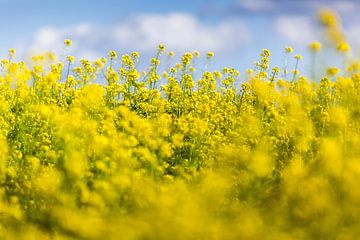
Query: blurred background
x=235, y=30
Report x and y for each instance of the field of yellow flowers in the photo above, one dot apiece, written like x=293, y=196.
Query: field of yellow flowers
x=167, y=155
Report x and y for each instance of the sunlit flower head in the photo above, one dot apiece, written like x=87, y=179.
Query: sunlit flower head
x=209, y=55
x=332, y=71
x=298, y=57
x=12, y=53
x=343, y=47
x=112, y=55
x=196, y=54
x=67, y=42
x=187, y=57
x=288, y=50
x=328, y=18
x=161, y=47
x=265, y=53
x=315, y=46
x=70, y=59
x=171, y=54
x=135, y=55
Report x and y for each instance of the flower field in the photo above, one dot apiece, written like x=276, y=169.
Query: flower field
x=101, y=150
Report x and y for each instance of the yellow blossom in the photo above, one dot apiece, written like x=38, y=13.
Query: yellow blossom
x=67, y=42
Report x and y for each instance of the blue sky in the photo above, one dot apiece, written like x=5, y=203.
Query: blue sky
x=236, y=30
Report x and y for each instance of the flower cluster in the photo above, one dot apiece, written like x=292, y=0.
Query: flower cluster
x=171, y=155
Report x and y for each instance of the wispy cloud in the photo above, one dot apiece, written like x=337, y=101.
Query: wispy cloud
x=182, y=32
x=179, y=31
x=296, y=30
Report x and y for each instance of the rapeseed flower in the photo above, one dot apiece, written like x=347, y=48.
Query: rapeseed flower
x=67, y=42
x=112, y=55
x=209, y=55
x=94, y=149
x=315, y=46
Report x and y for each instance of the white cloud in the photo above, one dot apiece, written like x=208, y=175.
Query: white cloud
x=297, y=30
x=179, y=31
x=51, y=38
x=47, y=37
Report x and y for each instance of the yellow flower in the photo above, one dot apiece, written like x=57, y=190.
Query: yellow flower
x=161, y=47
x=12, y=53
x=343, y=47
x=70, y=59
x=67, y=42
x=112, y=55
x=217, y=74
x=50, y=56
x=135, y=55
x=332, y=71
x=328, y=18
x=296, y=72
x=196, y=53
x=171, y=54
x=186, y=58
x=99, y=63
x=249, y=71
x=209, y=55
x=315, y=46
x=298, y=57
x=77, y=70
x=276, y=70
x=155, y=61
x=265, y=53
x=288, y=49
